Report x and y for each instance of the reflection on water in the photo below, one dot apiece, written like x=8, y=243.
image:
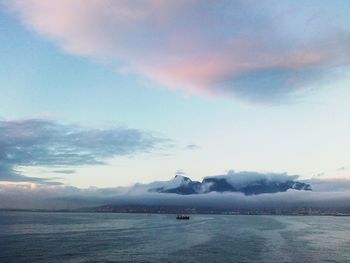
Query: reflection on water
x=89, y=237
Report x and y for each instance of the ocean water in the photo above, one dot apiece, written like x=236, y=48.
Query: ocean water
x=108, y=237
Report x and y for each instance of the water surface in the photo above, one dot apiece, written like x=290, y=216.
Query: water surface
x=108, y=237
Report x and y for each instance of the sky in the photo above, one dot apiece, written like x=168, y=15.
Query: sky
x=110, y=93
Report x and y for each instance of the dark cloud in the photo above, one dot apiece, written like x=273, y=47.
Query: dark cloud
x=8, y=173
x=41, y=142
x=270, y=86
x=244, y=178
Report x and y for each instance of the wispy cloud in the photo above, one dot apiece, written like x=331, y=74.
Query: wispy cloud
x=67, y=171
x=192, y=147
x=330, y=185
x=42, y=142
x=260, y=51
x=343, y=168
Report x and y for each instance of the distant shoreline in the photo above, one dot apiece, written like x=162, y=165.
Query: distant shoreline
x=165, y=213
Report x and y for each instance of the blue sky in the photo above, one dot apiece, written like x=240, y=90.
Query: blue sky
x=254, y=91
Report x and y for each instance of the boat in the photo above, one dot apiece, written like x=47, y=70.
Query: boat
x=182, y=217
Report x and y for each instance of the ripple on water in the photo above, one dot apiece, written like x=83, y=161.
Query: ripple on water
x=89, y=237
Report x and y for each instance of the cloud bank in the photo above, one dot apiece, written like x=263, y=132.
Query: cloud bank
x=40, y=142
x=327, y=193
x=65, y=197
x=261, y=51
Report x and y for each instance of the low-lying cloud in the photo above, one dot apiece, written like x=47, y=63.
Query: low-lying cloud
x=62, y=197
x=261, y=51
x=41, y=142
x=326, y=193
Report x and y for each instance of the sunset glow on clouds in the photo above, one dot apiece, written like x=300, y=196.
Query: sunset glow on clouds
x=207, y=86
x=259, y=51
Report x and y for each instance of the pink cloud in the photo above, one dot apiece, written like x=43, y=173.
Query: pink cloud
x=199, y=46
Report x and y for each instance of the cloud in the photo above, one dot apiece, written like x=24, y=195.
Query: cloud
x=192, y=147
x=64, y=171
x=260, y=51
x=42, y=142
x=239, y=180
x=329, y=185
x=327, y=193
x=343, y=168
x=28, y=196
x=244, y=178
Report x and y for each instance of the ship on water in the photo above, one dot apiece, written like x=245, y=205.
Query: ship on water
x=182, y=217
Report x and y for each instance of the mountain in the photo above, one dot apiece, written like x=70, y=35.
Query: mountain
x=185, y=186
x=179, y=185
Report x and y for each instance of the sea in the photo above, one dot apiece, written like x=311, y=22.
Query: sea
x=113, y=237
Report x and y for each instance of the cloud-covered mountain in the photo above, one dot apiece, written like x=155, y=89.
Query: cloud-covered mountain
x=248, y=183
x=326, y=193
